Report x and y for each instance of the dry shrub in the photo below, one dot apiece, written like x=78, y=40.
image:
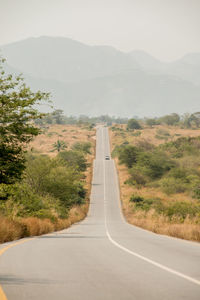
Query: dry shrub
x=10, y=230
x=62, y=224
x=14, y=229
x=78, y=213
x=148, y=134
x=188, y=230
x=37, y=226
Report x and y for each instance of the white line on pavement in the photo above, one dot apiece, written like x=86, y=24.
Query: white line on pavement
x=152, y=262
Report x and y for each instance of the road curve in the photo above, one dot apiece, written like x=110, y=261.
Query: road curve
x=102, y=257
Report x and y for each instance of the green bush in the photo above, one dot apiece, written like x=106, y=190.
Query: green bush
x=133, y=124
x=22, y=201
x=49, y=187
x=136, y=199
x=63, y=184
x=196, y=191
x=182, y=209
x=116, y=150
x=183, y=146
x=172, y=119
x=171, y=209
x=151, y=122
x=37, y=169
x=174, y=167
x=128, y=155
x=178, y=173
x=146, y=204
x=137, y=133
x=144, y=145
x=113, y=128
x=154, y=164
x=75, y=159
x=84, y=147
x=163, y=132
x=170, y=185
x=56, y=178
x=137, y=177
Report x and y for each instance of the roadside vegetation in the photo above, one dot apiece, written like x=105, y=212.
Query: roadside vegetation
x=52, y=194
x=46, y=167
x=42, y=189
x=159, y=171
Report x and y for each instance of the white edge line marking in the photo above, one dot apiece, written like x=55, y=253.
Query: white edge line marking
x=152, y=262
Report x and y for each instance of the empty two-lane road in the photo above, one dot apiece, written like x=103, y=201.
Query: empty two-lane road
x=103, y=257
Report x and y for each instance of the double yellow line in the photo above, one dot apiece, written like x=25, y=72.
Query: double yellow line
x=2, y=294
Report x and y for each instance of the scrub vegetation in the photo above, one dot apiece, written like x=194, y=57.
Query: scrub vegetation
x=45, y=173
x=160, y=176
x=54, y=189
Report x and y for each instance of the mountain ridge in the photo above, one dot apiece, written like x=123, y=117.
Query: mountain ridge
x=87, y=79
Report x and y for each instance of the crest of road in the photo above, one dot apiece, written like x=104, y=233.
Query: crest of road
x=102, y=257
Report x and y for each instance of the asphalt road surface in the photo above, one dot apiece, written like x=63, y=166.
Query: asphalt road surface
x=103, y=257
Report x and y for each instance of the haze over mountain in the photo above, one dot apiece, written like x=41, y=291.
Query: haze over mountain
x=97, y=80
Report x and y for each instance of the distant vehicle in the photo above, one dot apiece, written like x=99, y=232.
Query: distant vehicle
x=107, y=157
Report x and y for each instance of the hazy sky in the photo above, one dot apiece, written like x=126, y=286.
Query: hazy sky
x=166, y=29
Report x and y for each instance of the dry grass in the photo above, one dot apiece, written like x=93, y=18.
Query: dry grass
x=149, y=135
x=23, y=227
x=160, y=224
x=189, y=229
x=35, y=226
x=13, y=229
x=10, y=230
x=67, y=133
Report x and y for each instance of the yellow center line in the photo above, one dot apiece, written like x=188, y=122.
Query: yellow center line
x=2, y=294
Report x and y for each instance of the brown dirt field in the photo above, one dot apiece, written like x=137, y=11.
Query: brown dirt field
x=189, y=230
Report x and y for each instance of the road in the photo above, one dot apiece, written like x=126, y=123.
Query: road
x=102, y=257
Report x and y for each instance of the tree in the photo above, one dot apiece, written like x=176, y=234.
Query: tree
x=54, y=177
x=151, y=122
x=17, y=113
x=58, y=116
x=133, y=124
x=171, y=119
x=74, y=159
x=59, y=145
x=82, y=147
x=195, y=118
x=186, y=120
x=128, y=155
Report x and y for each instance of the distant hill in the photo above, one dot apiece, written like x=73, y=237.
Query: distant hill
x=186, y=68
x=146, y=61
x=64, y=59
x=96, y=80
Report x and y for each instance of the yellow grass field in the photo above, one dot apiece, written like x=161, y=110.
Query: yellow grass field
x=67, y=133
x=188, y=229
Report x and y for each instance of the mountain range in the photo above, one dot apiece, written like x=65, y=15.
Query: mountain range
x=96, y=80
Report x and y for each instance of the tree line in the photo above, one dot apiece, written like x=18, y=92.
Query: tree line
x=185, y=121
